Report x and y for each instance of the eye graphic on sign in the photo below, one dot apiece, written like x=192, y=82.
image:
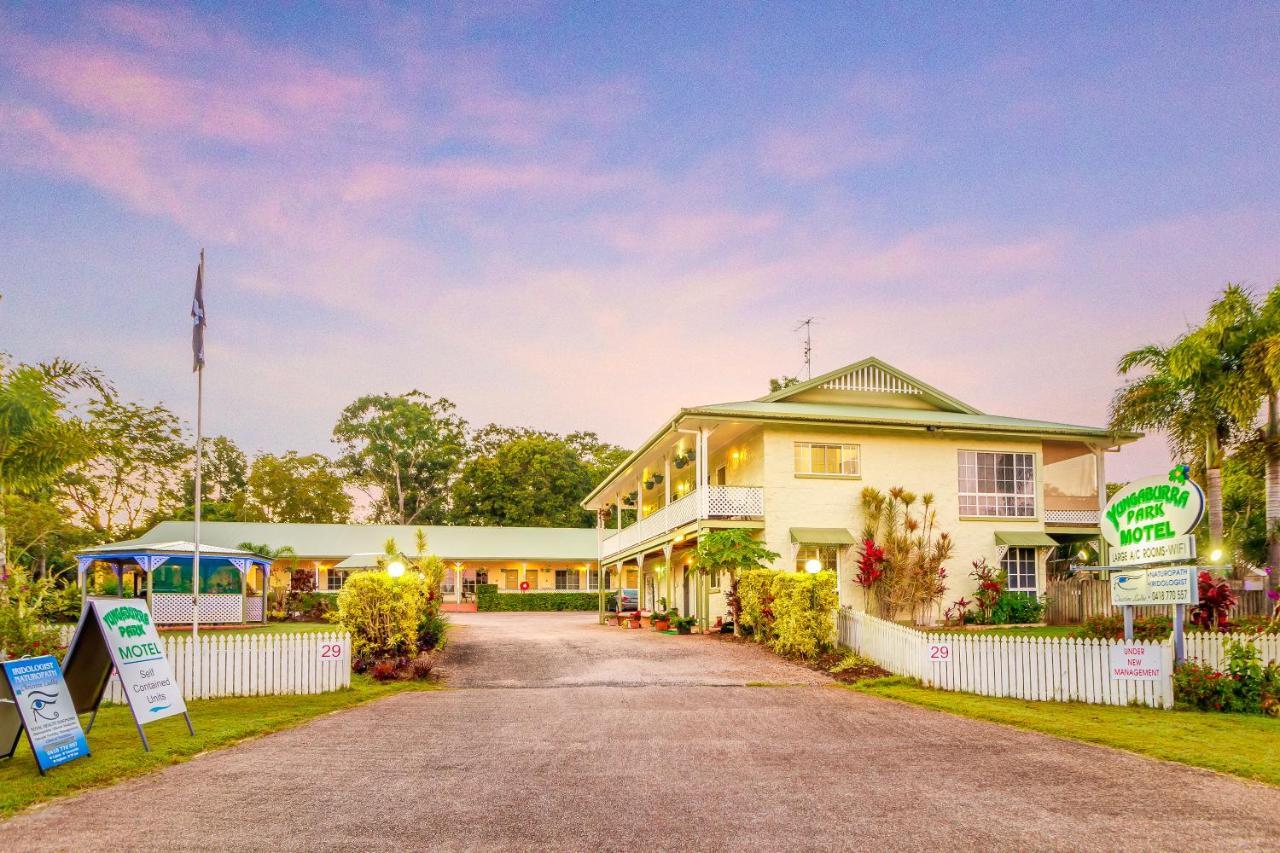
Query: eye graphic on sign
x=1123, y=581
x=42, y=704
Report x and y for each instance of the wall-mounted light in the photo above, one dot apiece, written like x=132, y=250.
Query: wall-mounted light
x=813, y=566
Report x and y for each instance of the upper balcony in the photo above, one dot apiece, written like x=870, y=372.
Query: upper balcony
x=721, y=502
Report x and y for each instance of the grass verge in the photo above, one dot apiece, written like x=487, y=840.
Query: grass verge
x=1242, y=745
x=117, y=752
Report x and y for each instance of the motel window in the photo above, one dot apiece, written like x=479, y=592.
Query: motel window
x=828, y=555
x=828, y=460
x=335, y=578
x=567, y=578
x=593, y=579
x=469, y=584
x=511, y=578
x=997, y=485
x=1019, y=566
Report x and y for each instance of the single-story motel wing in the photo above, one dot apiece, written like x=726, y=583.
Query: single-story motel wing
x=158, y=564
x=791, y=467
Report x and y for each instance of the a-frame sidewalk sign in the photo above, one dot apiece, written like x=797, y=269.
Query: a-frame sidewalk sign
x=34, y=698
x=119, y=634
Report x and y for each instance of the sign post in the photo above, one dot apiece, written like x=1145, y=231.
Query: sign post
x=119, y=634
x=34, y=698
x=1149, y=523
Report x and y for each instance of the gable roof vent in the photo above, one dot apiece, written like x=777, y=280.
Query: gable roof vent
x=870, y=377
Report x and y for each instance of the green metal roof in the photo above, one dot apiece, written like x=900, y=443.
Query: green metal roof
x=339, y=541
x=1026, y=539
x=893, y=416
x=821, y=536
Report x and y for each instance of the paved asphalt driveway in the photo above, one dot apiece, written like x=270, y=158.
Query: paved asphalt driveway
x=563, y=735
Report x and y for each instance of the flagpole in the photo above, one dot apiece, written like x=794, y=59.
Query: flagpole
x=195, y=559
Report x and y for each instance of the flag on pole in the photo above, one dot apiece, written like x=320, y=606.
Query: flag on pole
x=197, y=318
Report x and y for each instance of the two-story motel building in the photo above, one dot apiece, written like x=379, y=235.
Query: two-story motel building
x=792, y=465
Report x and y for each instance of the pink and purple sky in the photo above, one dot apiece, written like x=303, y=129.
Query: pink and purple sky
x=583, y=216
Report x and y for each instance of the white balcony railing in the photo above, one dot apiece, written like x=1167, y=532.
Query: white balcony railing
x=1072, y=516
x=722, y=502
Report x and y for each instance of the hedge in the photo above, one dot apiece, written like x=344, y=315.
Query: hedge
x=791, y=612
x=489, y=599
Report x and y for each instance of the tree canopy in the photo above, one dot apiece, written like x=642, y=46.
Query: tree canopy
x=295, y=488
x=405, y=451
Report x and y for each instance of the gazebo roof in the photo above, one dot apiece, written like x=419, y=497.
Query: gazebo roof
x=152, y=554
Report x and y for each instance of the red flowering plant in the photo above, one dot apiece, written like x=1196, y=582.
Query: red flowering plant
x=1216, y=601
x=990, y=586
x=870, y=568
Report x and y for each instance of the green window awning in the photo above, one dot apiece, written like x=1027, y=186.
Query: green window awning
x=1025, y=539
x=821, y=536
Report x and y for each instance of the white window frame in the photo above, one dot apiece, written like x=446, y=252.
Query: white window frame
x=849, y=468
x=343, y=574
x=566, y=574
x=1016, y=558
x=1000, y=504
x=593, y=579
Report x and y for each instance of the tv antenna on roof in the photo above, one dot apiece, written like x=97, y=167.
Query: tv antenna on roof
x=807, y=325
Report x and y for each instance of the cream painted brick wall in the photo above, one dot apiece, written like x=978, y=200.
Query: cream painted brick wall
x=918, y=462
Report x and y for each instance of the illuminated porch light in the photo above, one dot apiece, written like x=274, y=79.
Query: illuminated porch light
x=813, y=566
x=395, y=568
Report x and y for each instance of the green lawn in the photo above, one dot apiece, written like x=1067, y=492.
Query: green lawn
x=1011, y=631
x=1240, y=744
x=117, y=752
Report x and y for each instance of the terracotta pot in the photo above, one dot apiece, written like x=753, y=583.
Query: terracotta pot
x=663, y=626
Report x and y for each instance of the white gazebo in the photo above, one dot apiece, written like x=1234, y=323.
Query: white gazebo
x=233, y=582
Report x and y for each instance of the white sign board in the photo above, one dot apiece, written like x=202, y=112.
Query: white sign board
x=1163, y=551
x=937, y=652
x=1136, y=662
x=1165, y=585
x=139, y=658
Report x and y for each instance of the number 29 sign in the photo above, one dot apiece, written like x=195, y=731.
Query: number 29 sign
x=937, y=652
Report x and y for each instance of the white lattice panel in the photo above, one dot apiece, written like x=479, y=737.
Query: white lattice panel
x=1071, y=516
x=683, y=511
x=870, y=378
x=254, y=608
x=174, y=608
x=735, y=501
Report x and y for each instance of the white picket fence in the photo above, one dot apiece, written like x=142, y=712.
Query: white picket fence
x=255, y=665
x=1060, y=669
x=1207, y=648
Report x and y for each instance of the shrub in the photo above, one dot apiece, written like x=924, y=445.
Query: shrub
x=791, y=612
x=23, y=630
x=385, y=669
x=421, y=666
x=489, y=599
x=1245, y=687
x=1016, y=608
x=312, y=606
x=383, y=613
x=914, y=550
x=990, y=588
x=431, y=631
x=1111, y=627
x=1256, y=625
x=63, y=604
x=1216, y=601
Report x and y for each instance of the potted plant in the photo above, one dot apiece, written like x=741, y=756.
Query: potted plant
x=684, y=624
x=659, y=614
x=635, y=619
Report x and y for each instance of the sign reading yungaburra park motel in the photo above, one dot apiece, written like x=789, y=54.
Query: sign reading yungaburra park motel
x=1151, y=520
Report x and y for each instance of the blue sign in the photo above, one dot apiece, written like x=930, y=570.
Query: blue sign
x=47, y=712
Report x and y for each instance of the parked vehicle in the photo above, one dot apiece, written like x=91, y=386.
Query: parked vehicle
x=628, y=599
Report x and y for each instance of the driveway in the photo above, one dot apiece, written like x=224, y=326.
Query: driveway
x=560, y=734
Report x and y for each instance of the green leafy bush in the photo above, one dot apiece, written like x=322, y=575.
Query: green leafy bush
x=23, y=629
x=1016, y=608
x=63, y=604
x=791, y=612
x=1247, y=686
x=1111, y=627
x=383, y=613
x=488, y=599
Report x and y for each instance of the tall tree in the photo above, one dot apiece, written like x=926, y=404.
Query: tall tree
x=136, y=468
x=405, y=451
x=294, y=488
x=39, y=436
x=224, y=472
x=531, y=480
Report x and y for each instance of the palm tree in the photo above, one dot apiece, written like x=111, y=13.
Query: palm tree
x=1262, y=366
